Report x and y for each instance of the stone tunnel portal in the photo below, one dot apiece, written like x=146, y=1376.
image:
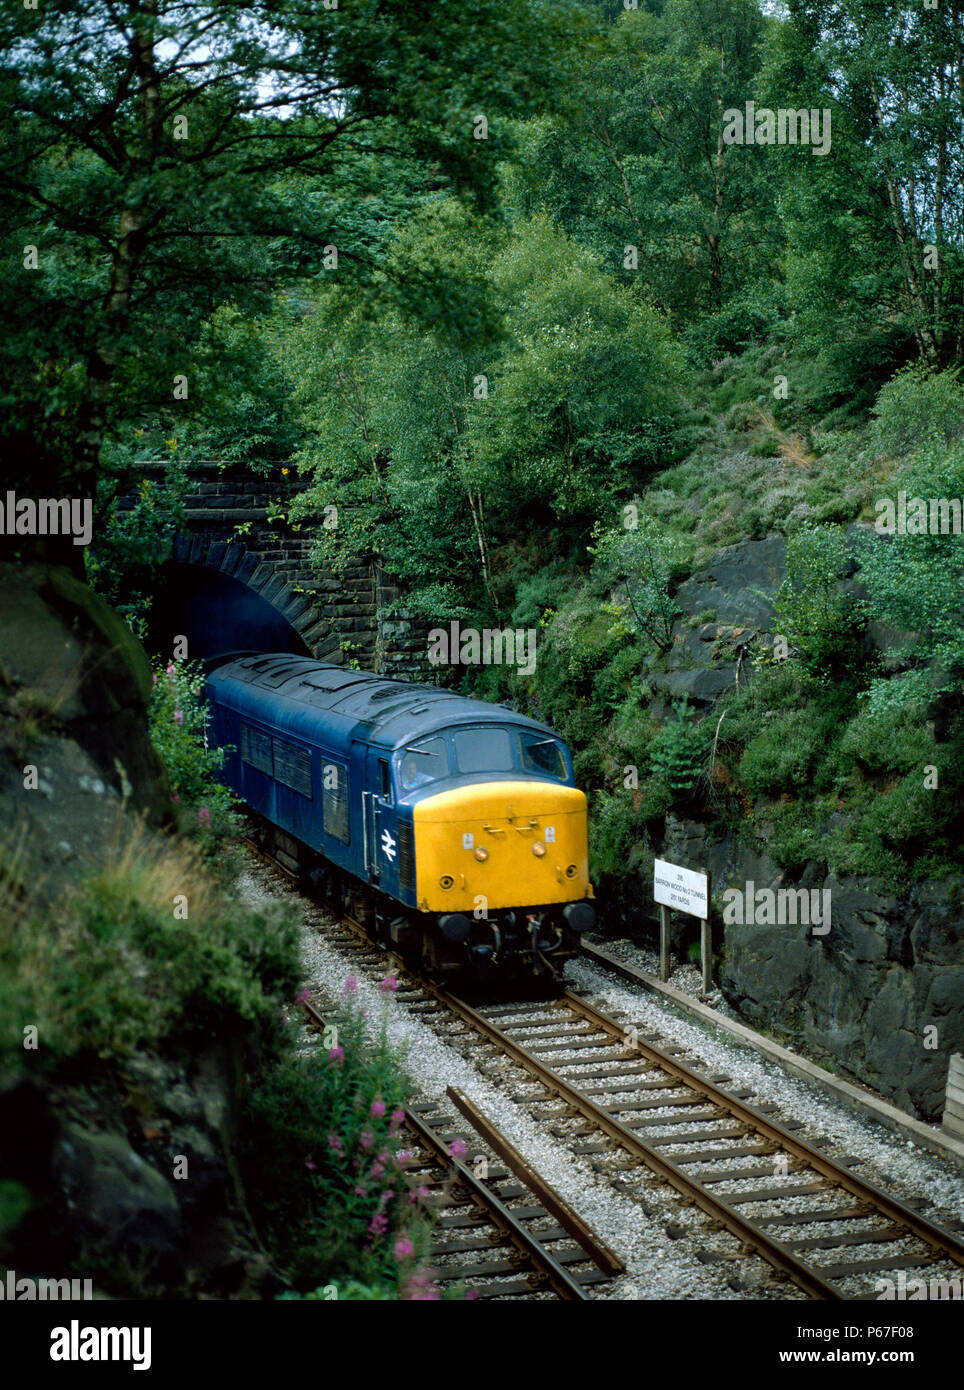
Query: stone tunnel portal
x=216, y=614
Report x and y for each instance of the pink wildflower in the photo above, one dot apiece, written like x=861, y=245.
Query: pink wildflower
x=398, y=1118
x=336, y=1056
x=204, y=816
x=377, y=1171
x=304, y=996
x=389, y=985
x=367, y=1139
x=310, y=1165
x=361, y=1191
x=457, y=1148
x=178, y=717
x=404, y=1248
x=351, y=985
x=471, y=1293
x=170, y=669
x=378, y=1224
x=402, y=1158
x=378, y=1109
x=175, y=797
x=335, y=1143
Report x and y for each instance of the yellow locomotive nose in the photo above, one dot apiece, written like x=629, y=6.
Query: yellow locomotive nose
x=512, y=822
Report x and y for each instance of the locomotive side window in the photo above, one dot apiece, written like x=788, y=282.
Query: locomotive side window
x=483, y=750
x=292, y=766
x=543, y=756
x=334, y=800
x=384, y=781
x=423, y=762
x=256, y=749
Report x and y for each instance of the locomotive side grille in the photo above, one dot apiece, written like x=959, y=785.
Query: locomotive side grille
x=406, y=856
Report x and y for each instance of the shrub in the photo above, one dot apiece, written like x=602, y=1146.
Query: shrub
x=919, y=406
x=325, y=1161
x=118, y=966
x=817, y=616
x=679, y=755
x=643, y=557
x=204, y=810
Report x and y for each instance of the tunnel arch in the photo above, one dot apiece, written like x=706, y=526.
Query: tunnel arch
x=219, y=610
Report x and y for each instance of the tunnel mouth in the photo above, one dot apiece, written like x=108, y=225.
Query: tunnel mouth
x=217, y=614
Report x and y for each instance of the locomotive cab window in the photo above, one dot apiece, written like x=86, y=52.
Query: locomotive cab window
x=423, y=762
x=483, y=750
x=543, y=756
x=384, y=781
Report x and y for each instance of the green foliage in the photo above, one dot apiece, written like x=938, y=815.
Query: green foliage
x=915, y=581
x=919, y=407
x=642, y=558
x=678, y=758
x=129, y=547
x=816, y=615
x=147, y=952
x=204, y=809
x=325, y=1160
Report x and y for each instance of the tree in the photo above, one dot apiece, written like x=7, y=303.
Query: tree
x=163, y=157
x=642, y=166
x=877, y=228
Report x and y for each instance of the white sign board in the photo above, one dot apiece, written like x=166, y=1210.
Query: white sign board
x=684, y=890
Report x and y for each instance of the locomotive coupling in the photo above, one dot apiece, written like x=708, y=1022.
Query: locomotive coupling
x=580, y=916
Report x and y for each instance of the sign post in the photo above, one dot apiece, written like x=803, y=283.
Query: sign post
x=683, y=890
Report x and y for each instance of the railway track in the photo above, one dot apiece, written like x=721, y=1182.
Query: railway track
x=607, y=1092
x=499, y=1226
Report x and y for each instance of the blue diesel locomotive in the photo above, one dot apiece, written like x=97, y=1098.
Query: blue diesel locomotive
x=449, y=826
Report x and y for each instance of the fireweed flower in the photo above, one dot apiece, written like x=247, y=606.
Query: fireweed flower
x=335, y=1143
x=378, y=1109
x=304, y=996
x=378, y=1224
x=402, y=1158
x=310, y=1165
x=457, y=1148
x=351, y=985
x=398, y=1117
x=389, y=985
x=204, y=816
x=361, y=1191
x=170, y=670
x=367, y=1139
x=178, y=717
x=336, y=1056
x=404, y=1248
x=377, y=1171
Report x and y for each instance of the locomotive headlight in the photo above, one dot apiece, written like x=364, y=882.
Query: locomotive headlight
x=538, y=849
x=481, y=854
x=446, y=882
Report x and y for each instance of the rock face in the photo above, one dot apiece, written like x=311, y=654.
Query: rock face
x=133, y=1180
x=74, y=685
x=130, y=1166
x=736, y=593
x=879, y=997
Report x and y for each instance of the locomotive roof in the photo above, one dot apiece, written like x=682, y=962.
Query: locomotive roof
x=387, y=712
